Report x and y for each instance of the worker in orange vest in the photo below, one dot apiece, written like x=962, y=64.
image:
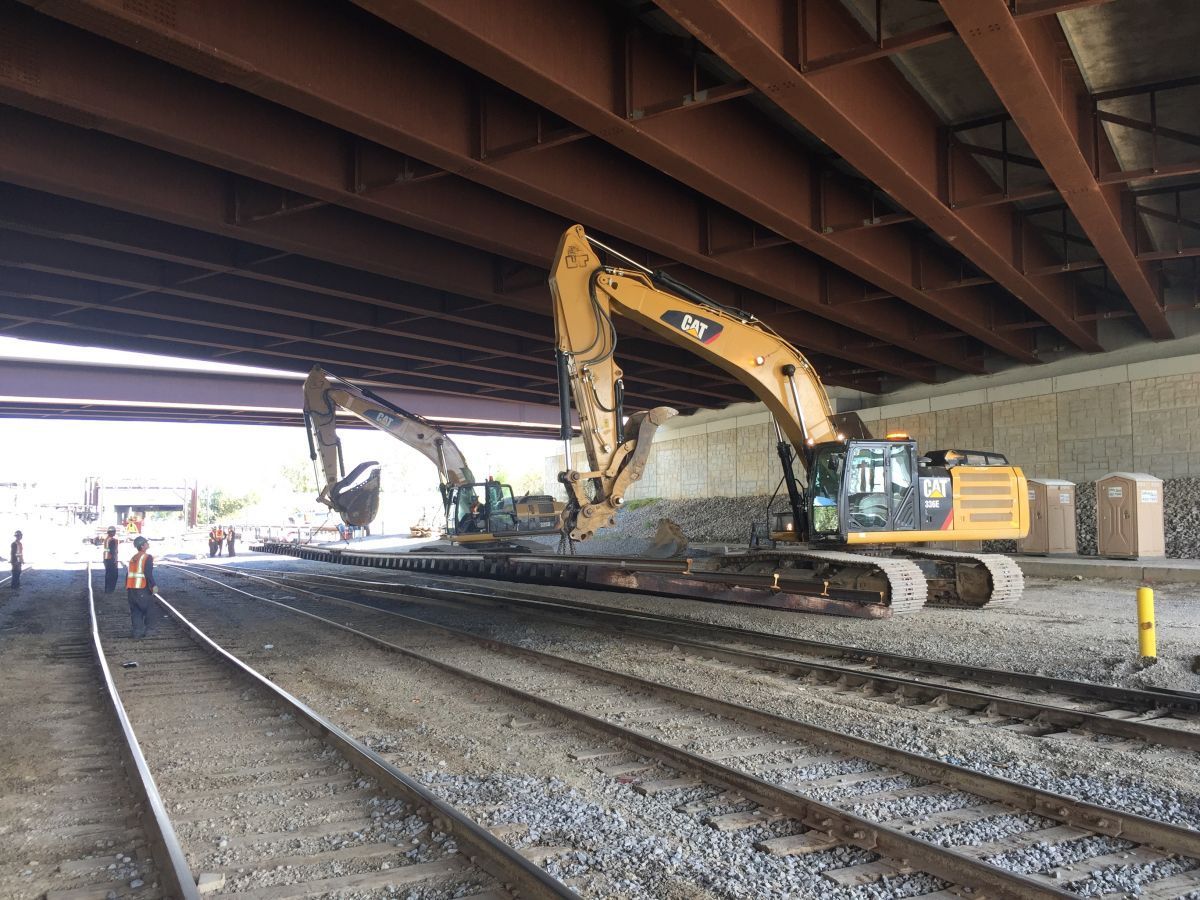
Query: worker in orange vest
x=220, y=534
x=212, y=541
x=110, y=560
x=140, y=587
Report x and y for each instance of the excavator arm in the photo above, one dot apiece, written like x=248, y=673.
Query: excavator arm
x=586, y=294
x=355, y=497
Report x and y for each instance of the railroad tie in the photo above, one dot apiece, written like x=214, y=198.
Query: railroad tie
x=867, y=873
x=799, y=844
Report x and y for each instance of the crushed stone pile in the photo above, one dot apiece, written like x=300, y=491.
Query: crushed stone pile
x=708, y=520
x=1085, y=517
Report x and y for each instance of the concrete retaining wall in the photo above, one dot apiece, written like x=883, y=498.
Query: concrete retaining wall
x=1139, y=416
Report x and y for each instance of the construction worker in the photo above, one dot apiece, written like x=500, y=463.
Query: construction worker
x=110, y=560
x=140, y=586
x=212, y=541
x=220, y=539
x=16, y=556
x=230, y=537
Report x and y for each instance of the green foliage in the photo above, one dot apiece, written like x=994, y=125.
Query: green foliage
x=638, y=504
x=299, y=477
x=216, y=505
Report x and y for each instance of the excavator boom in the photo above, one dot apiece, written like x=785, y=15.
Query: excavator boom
x=586, y=294
x=355, y=497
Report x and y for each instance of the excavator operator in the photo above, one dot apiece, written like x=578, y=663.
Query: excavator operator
x=475, y=519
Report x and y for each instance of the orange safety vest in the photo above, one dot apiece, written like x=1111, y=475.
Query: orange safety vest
x=136, y=579
x=108, y=553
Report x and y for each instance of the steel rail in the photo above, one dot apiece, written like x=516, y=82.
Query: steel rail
x=1142, y=698
x=943, y=862
x=24, y=569
x=966, y=698
x=1059, y=807
x=177, y=878
x=518, y=875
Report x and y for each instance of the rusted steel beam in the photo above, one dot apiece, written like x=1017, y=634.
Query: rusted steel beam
x=49, y=300
x=923, y=37
x=253, y=277
x=123, y=285
x=569, y=65
x=1030, y=67
x=38, y=330
x=112, y=388
x=390, y=89
x=155, y=288
x=95, y=412
x=871, y=117
x=28, y=299
x=87, y=165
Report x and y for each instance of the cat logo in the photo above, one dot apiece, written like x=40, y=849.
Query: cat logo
x=383, y=419
x=576, y=258
x=704, y=330
x=935, y=488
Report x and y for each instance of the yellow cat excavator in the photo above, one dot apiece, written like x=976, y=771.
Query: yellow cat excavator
x=879, y=497
x=477, y=512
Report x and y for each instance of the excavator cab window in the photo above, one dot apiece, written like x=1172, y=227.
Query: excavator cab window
x=867, y=501
x=502, y=509
x=470, y=512
x=826, y=489
x=863, y=486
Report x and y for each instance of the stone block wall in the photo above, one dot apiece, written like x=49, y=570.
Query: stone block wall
x=1141, y=417
x=1166, y=425
x=1027, y=430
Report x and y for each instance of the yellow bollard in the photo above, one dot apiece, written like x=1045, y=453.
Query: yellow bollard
x=1147, y=640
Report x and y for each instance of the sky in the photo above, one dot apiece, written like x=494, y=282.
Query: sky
x=236, y=458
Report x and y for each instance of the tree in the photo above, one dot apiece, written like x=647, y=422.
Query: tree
x=217, y=505
x=299, y=476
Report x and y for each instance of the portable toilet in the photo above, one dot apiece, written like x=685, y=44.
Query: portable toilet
x=1129, y=516
x=1051, y=517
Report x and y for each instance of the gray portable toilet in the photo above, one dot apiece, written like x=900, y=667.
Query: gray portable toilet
x=1129, y=516
x=1051, y=517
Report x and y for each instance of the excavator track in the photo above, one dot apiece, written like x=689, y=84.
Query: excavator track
x=974, y=580
x=907, y=587
x=901, y=583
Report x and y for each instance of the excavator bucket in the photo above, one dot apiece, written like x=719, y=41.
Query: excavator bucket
x=669, y=540
x=356, y=498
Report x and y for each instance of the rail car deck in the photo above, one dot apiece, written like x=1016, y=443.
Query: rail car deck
x=782, y=589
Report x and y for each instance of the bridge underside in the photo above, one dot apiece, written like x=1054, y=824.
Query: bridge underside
x=909, y=191
x=119, y=393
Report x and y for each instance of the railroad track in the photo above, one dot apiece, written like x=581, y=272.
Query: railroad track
x=812, y=789
x=260, y=798
x=1011, y=701
x=69, y=821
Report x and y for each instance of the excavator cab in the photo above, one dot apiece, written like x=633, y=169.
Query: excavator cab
x=484, y=511
x=856, y=486
x=883, y=492
x=860, y=487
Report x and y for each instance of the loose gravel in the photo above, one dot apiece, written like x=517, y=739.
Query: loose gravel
x=519, y=674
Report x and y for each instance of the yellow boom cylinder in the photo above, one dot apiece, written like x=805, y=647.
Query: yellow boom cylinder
x=1147, y=640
